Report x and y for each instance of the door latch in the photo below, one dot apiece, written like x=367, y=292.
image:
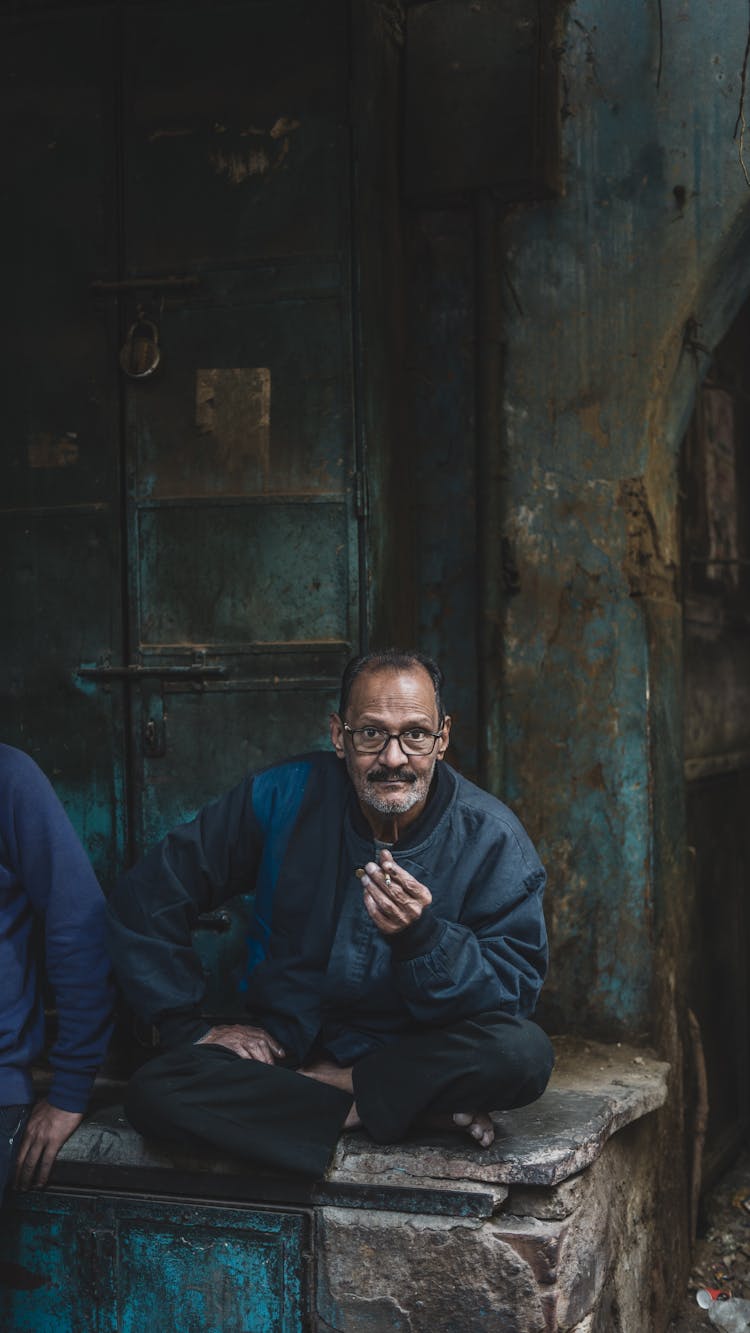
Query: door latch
x=154, y=723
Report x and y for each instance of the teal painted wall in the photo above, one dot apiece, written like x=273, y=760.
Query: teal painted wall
x=652, y=228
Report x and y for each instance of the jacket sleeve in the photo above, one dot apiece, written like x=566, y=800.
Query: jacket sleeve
x=155, y=906
x=494, y=957
x=58, y=879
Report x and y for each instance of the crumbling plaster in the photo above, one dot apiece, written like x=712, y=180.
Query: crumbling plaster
x=650, y=231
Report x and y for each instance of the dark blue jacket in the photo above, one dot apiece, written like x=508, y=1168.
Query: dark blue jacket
x=318, y=968
x=51, y=907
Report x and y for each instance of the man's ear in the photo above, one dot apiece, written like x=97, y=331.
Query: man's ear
x=445, y=735
x=336, y=727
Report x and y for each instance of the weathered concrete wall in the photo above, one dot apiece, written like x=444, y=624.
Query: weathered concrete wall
x=651, y=230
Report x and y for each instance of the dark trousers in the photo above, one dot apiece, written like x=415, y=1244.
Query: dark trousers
x=12, y=1124
x=275, y=1116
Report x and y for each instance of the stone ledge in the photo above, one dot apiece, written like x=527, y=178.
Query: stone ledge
x=595, y=1091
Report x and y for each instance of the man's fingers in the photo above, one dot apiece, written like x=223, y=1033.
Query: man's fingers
x=397, y=882
x=45, y=1162
x=373, y=910
x=417, y=895
x=26, y=1165
x=248, y=1042
x=247, y=1048
x=387, y=884
x=47, y=1129
x=391, y=910
x=261, y=1051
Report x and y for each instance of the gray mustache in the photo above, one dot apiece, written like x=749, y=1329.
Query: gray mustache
x=392, y=775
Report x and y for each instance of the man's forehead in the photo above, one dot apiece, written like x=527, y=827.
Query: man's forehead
x=387, y=688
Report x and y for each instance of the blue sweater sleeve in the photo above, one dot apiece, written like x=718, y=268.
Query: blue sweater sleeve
x=53, y=871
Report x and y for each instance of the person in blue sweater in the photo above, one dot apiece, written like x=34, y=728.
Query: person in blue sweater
x=396, y=950
x=51, y=924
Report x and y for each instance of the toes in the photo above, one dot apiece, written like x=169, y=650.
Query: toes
x=478, y=1125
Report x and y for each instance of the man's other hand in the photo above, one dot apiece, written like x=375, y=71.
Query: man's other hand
x=393, y=897
x=47, y=1129
x=250, y=1043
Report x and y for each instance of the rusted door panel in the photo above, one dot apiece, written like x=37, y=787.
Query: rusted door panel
x=249, y=398
x=55, y=1265
x=240, y=450
x=236, y=112
x=119, y=1264
x=191, y=1268
x=255, y=574
x=224, y=483
x=59, y=470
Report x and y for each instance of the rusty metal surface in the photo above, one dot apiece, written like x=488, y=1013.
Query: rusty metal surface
x=144, y=1262
x=209, y=507
x=251, y=398
x=239, y=453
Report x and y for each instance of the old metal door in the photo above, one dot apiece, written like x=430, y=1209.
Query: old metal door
x=183, y=544
x=118, y=1264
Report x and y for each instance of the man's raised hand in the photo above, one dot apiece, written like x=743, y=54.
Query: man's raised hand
x=393, y=897
x=249, y=1042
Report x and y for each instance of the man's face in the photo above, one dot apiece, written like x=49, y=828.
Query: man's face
x=391, y=783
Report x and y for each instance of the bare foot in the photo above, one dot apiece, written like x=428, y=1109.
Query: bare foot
x=336, y=1076
x=476, y=1123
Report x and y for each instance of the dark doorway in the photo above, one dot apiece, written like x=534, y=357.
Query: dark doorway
x=716, y=574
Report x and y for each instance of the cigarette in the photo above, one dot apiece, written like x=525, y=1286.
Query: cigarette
x=360, y=872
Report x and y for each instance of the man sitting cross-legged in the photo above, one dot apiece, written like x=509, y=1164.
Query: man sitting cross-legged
x=396, y=950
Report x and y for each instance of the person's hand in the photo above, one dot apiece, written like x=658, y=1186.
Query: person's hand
x=47, y=1129
x=393, y=897
x=251, y=1043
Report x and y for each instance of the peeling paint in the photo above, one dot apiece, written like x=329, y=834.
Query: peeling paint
x=234, y=406
x=51, y=451
x=646, y=572
x=260, y=160
x=284, y=125
x=592, y=423
x=239, y=167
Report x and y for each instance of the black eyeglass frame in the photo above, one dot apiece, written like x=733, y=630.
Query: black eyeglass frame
x=396, y=736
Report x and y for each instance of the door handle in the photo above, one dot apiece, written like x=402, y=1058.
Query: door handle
x=135, y=672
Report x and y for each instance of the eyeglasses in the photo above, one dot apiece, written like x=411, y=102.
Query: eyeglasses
x=371, y=740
